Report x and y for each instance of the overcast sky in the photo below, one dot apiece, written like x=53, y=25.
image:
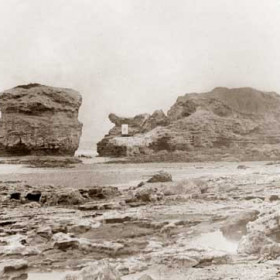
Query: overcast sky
x=135, y=56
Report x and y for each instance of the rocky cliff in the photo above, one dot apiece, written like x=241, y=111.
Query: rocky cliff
x=39, y=120
x=241, y=123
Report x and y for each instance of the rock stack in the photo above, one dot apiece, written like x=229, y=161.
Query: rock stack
x=243, y=123
x=39, y=120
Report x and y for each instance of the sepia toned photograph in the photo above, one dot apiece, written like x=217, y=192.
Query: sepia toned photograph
x=139, y=140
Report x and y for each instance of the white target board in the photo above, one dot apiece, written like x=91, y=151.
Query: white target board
x=124, y=129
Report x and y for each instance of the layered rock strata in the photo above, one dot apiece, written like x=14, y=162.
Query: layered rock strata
x=39, y=120
x=243, y=123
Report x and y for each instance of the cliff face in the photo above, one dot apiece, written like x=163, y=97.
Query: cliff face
x=242, y=122
x=39, y=120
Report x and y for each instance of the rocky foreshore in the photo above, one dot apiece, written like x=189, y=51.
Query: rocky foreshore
x=218, y=225
x=223, y=124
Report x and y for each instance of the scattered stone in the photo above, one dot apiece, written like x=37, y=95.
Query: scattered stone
x=63, y=197
x=242, y=166
x=141, y=184
x=148, y=195
x=160, y=177
x=272, y=197
x=102, y=192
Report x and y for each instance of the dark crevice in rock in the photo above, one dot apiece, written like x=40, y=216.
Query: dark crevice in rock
x=35, y=196
x=162, y=144
x=15, y=195
x=19, y=149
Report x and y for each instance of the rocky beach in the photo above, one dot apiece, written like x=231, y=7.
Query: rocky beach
x=154, y=208
x=216, y=220
x=139, y=140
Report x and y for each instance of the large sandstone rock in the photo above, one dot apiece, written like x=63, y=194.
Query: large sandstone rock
x=240, y=123
x=39, y=120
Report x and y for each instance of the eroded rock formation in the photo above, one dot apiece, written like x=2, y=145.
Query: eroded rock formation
x=242, y=123
x=39, y=120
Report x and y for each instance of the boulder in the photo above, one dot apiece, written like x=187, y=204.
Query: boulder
x=13, y=269
x=272, y=197
x=235, y=226
x=162, y=176
x=39, y=120
x=242, y=166
x=62, y=197
x=145, y=195
x=255, y=243
x=268, y=222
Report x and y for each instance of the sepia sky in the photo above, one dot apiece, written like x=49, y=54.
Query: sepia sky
x=135, y=56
